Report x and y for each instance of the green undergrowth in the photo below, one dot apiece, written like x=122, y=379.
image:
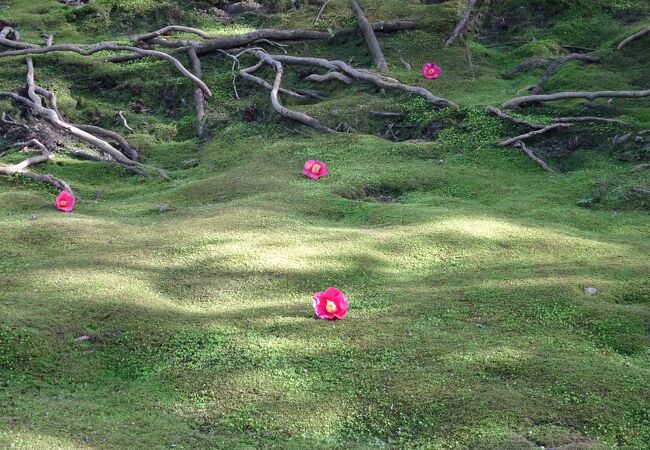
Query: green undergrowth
x=176, y=313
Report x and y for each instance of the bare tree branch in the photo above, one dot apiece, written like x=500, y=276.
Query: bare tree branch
x=21, y=168
x=462, y=24
x=634, y=37
x=519, y=101
x=275, y=101
x=533, y=133
x=369, y=36
x=108, y=46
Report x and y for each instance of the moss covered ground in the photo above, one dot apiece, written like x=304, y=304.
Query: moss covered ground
x=468, y=325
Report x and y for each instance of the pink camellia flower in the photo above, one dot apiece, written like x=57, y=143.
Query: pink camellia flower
x=315, y=169
x=430, y=71
x=65, y=201
x=330, y=305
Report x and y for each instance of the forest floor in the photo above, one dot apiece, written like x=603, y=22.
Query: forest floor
x=177, y=314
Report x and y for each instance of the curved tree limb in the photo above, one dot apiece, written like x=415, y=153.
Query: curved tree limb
x=531, y=134
x=519, y=101
x=275, y=101
x=556, y=64
x=21, y=168
x=634, y=37
x=369, y=36
x=113, y=136
x=108, y=46
x=462, y=24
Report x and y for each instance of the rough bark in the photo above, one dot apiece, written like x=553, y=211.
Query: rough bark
x=519, y=101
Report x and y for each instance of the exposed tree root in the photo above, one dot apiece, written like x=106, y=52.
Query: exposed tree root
x=108, y=46
x=634, y=37
x=531, y=134
x=641, y=167
x=275, y=101
x=369, y=36
x=520, y=145
x=519, y=101
x=362, y=75
x=462, y=24
x=539, y=88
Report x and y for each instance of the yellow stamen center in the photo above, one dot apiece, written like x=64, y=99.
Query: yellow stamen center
x=330, y=307
x=63, y=202
x=315, y=169
x=431, y=71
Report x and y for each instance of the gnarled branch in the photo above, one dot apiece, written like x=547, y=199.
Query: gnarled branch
x=275, y=101
x=108, y=46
